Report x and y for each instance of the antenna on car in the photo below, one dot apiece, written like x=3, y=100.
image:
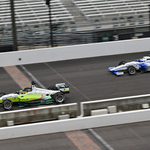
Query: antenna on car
x=33, y=84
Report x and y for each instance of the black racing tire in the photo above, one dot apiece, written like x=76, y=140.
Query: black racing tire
x=59, y=97
x=122, y=63
x=131, y=70
x=7, y=104
x=2, y=93
x=53, y=88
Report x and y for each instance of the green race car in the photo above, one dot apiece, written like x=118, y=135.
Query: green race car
x=35, y=96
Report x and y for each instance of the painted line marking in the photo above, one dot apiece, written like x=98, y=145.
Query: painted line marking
x=33, y=78
x=18, y=76
x=99, y=138
x=82, y=141
x=67, y=81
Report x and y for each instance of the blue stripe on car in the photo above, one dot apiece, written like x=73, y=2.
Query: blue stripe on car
x=139, y=60
x=143, y=66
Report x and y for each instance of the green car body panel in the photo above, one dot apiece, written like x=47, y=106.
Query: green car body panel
x=30, y=99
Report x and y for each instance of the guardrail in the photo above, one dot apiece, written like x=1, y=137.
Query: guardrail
x=115, y=105
x=98, y=113
x=74, y=124
x=90, y=108
x=38, y=114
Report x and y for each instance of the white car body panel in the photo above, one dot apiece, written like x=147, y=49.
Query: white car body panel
x=8, y=96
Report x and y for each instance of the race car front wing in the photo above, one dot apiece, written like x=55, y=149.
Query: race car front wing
x=118, y=73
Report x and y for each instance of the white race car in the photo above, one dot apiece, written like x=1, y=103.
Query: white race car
x=35, y=96
x=142, y=65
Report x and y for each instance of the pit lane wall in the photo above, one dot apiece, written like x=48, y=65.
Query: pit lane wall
x=63, y=118
x=74, y=52
x=115, y=105
x=33, y=115
x=74, y=124
x=89, y=108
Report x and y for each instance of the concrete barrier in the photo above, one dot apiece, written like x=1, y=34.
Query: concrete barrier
x=10, y=123
x=146, y=105
x=121, y=104
x=99, y=112
x=112, y=109
x=74, y=52
x=60, y=117
x=74, y=124
x=68, y=119
x=70, y=110
x=37, y=114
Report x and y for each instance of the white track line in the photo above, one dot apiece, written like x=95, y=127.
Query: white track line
x=67, y=81
x=99, y=138
x=33, y=77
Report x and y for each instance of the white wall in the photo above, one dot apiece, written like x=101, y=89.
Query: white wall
x=120, y=101
x=74, y=124
x=74, y=52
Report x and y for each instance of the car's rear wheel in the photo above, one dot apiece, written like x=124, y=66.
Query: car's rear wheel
x=59, y=97
x=122, y=63
x=2, y=93
x=7, y=104
x=131, y=70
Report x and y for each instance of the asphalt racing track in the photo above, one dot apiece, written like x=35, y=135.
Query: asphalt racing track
x=88, y=79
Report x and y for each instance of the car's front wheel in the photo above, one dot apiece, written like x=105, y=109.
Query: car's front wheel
x=131, y=70
x=59, y=97
x=7, y=104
